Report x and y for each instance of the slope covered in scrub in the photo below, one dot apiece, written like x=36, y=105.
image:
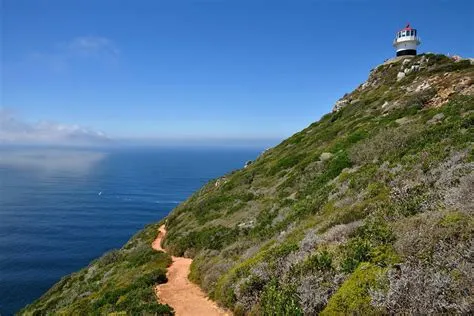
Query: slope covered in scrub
x=367, y=211
x=121, y=282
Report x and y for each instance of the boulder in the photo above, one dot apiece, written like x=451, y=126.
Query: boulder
x=325, y=156
x=400, y=75
x=436, y=119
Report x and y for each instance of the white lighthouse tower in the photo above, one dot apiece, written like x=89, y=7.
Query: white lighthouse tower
x=406, y=41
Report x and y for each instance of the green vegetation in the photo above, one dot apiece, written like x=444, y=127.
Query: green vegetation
x=121, y=281
x=320, y=261
x=372, y=243
x=367, y=211
x=279, y=301
x=353, y=297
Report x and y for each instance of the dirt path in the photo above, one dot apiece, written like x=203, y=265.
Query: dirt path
x=185, y=297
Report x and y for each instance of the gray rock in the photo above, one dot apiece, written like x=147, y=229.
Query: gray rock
x=339, y=104
x=402, y=120
x=436, y=119
x=423, y=86
x=325, y=156
x=400, y=76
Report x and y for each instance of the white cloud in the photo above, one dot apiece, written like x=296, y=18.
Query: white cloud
x=92, y=46
x=83, y=48
x=15, y=131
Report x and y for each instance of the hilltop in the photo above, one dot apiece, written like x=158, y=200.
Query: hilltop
x=368, y=211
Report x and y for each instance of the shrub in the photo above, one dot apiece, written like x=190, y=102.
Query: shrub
x=384, y=144
x=414, y=103
x=408, y=201
x=212, y=237
x=424, y=290
x=248, y=291
x=263, y=225
x=320, y=261
x=137, y=297
x=356, y=252
x=332, y=169
x=315, y=291
x=110, y=257
x=372, y=243
x=276, y=301
x=452, y=66
x=285, y=163
x=353, y=297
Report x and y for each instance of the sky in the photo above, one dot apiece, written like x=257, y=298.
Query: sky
x=151, y=70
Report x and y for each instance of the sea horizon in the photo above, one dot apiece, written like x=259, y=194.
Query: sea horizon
x=62, y=207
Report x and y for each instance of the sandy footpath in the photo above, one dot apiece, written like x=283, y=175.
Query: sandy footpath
x=185, y=297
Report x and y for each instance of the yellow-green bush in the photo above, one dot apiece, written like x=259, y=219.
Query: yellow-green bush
x=353, y=297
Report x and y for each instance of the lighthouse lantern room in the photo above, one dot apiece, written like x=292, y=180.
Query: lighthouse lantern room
x=406, y=41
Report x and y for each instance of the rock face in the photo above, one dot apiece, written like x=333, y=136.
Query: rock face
x=367, y=211
x=340, y=104
x=401, y=75
x=420, y=70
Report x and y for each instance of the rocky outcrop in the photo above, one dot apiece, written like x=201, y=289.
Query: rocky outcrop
x=411, y=75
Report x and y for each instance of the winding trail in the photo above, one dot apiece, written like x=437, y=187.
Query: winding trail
x=186, y=298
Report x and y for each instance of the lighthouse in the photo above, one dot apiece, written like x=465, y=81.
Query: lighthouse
x=406, y=41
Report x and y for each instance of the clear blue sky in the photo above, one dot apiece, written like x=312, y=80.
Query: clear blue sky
x=205, y=69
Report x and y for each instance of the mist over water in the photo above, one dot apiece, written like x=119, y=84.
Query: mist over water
x=61, y=208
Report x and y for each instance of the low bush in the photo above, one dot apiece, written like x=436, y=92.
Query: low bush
x=353, y=297
x=320, y=261
x=213, y=237
x=372, y=243
x=276, y=301
x=285, y=163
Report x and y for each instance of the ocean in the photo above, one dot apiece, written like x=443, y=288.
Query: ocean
x=62, y=208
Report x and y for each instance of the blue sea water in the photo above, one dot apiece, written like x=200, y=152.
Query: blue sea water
x=60, y=209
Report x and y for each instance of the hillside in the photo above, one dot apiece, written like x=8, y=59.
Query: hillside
x=121, y=280
x=368, y=211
